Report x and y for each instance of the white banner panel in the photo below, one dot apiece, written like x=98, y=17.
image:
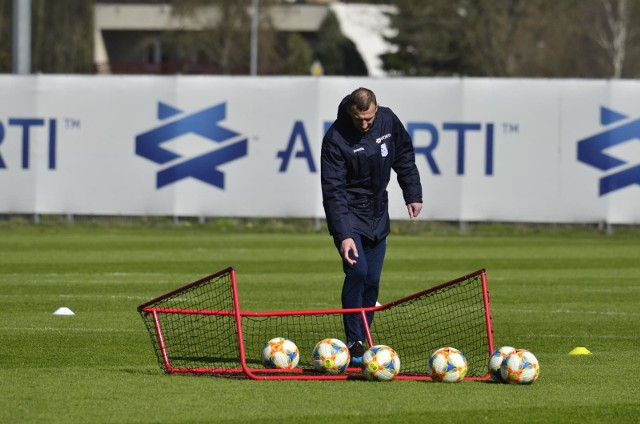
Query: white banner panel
x=487, y=149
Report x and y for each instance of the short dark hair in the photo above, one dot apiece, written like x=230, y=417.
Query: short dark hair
x=361, y=99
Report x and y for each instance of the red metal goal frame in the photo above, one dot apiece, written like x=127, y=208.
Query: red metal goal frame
x=296, y=373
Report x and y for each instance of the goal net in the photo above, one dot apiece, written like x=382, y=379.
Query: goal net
x=200, y=329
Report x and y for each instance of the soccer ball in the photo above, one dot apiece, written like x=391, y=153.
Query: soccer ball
x=380, y=363
x=495, y=362
x=280, y=352
x=331, y=356
x=447, y=365
x=520, y=367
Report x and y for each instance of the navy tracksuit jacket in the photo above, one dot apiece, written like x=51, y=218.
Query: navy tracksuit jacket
x=355, y=171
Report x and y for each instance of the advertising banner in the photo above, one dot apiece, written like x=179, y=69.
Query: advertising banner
x=523, y=150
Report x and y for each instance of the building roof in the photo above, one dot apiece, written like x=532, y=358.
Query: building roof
x=156, y=17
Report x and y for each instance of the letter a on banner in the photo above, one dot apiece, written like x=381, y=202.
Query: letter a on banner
x=285, y=155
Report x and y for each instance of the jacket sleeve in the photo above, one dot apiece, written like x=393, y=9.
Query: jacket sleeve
x=333, y=174
x=404, y=164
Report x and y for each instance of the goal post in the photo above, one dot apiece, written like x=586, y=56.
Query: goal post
x=199, y=328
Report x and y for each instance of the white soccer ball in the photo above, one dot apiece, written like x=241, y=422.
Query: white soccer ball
x=380, y=363
x=447, y=365
x=331, y=356
x=520, y=367
x=495, y=362
x=280, y=352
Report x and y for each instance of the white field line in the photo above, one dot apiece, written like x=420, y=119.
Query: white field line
x=71, y=329
x=114, y=274
x=569, y=311
x=97, y=296
x=88, y=282
x=78, y=296
x=581, y=336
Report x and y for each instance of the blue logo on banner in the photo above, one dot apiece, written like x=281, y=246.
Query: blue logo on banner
x=591, y=151
x=204, y=123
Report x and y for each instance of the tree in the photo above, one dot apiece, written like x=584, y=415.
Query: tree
x=223, y=40
x=469, y=37
x=612, y=32
x=5, y=36
x=515, y=38
x=299, y=56
x=424, y=42
x=337, y=53
x=61, y=34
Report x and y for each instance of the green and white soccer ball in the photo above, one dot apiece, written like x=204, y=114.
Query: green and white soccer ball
x=380, y=363
x=280, y=352
x=331, y=356
x=495, y=362
x=447, y=365
x=520, y=367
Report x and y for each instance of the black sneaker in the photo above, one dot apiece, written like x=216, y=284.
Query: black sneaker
x=356, y=351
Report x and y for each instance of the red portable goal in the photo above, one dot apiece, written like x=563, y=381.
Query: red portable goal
x=200, y=329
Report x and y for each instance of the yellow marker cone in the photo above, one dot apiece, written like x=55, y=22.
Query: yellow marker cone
x=580, y=351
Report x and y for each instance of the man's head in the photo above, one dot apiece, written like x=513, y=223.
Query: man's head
x=361, y=108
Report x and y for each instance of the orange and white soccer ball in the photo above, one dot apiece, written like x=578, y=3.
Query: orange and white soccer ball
x=280, y=352
x=331, y=356
x=447, y=365
x=520, y=367
x=380, y=363
x=495, y=362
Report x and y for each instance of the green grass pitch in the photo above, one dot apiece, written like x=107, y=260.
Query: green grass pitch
x=550, y=292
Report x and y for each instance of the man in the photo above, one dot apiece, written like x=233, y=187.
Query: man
x=358, y=152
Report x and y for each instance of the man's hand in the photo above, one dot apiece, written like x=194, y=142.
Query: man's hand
x=414, y=209
x=347, y=246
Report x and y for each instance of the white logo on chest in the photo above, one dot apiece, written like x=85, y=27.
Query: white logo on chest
x=384, y=137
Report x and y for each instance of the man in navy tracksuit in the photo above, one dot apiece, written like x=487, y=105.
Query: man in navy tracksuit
x=358, y=152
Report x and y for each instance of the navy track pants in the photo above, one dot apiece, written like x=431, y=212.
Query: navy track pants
x=361, y=284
